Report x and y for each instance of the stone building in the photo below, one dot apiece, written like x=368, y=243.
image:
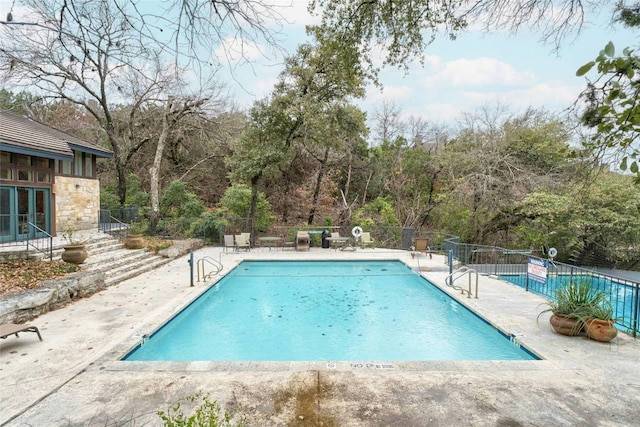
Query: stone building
x=48, y=180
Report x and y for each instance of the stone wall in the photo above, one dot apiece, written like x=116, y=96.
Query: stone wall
x=51, y=294
x=77, y=203
x=57, y=293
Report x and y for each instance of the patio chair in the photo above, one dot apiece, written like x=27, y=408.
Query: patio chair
x=229, y=242
x=366, y=240
x=13, y=329
x=421, y=245
x=302, y=241
x=243, y=241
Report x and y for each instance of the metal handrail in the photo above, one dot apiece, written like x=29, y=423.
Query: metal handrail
x=115, y=227
x=48, y=249
x=461, y=272
x=200, y=268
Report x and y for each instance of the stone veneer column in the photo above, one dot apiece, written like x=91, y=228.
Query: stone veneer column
x=77, y=203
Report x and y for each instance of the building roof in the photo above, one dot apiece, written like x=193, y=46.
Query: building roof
x=19, y=134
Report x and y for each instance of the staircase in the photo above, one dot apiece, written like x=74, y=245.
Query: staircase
x=108, y=254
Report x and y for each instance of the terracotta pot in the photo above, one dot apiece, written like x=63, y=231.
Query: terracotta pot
x=75, y=254
x=600, y=330
x=134, y=241
x=564, y=325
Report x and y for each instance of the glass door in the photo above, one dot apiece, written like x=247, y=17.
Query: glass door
x=7, y=208
x=20, y=206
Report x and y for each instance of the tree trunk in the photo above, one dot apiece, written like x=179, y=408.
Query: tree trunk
x=122, y=182
x=154, y=172
x=252, y=207
x=316, y=191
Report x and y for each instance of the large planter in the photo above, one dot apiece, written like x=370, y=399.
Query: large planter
x=75, y=254
x=600, y=330
x=134, y=241
x=565, y=325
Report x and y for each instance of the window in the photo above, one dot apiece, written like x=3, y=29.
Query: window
x=6, y=173
x=42, y=163
x=43, y=176
x=65, y=167
x=88, y=165
x=5, y=157
x=78, y=163
x=24, y=160
x=25, y=175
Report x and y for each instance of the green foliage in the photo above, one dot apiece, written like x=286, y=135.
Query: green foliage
x=209, y=226
x=612, y=110
x=204, y=413
x=581, y=300
x=487, y=171
x=179, y=202
x=108, y=199
x=606, y=214
x=404, y=28
x=23, y=103
x=236, y=202
x=180, y=208
x=380, y=211
x=135, y=195
x=629, y=15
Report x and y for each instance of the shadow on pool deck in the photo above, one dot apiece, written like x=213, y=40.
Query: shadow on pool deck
x=73, y=376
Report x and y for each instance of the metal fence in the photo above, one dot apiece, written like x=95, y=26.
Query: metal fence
x=117, y=222
x=512, y=265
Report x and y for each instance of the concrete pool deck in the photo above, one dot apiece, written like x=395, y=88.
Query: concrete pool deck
x=74, y=378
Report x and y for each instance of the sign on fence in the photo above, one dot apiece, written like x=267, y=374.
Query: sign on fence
x=537, y=270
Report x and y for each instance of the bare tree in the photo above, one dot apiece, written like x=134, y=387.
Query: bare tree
x=388, y=122
x=92, y=55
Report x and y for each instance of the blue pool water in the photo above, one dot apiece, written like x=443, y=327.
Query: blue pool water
x=326, y=310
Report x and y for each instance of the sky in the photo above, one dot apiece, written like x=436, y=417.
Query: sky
x=473, y=71
x=457, y=77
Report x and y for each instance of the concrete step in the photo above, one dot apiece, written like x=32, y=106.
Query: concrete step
x=134, y=269
x=115, y=258
x=108, y=255
x=95, y=246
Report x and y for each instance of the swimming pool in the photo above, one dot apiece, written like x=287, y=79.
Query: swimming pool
x=326, y=311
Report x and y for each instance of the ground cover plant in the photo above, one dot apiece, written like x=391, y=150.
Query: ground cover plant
x=20, y=275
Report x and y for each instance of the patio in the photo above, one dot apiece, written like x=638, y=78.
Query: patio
x=74, y=376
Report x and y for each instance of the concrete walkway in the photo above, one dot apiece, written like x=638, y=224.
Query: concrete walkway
x=74, y=378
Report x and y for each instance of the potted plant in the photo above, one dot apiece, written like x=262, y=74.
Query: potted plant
x=75, y=251
x=600, y=325
x=134, y=239
x=572, y=305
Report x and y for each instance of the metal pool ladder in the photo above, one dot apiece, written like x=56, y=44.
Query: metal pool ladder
x=201, y=267
x=461, y=272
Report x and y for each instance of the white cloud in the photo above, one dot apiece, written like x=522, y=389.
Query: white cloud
x=543, y=95
x=295, y=12
x=475, y=72
x=437, y=112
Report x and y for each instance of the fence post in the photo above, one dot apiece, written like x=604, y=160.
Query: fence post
x=450, y=262
x=190, y=261
x=635, y=322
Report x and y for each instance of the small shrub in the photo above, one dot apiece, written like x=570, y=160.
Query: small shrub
x=156, y=244
x=205, y=413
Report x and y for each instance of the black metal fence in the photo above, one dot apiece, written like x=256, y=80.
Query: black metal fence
x=117, y=222
x=513, y=266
